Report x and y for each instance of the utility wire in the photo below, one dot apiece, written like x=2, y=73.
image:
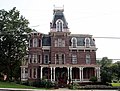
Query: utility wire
x=108, y=37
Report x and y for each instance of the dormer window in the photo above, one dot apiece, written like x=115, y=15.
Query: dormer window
x=59, y=25
x=74, y=42
x=87, y=42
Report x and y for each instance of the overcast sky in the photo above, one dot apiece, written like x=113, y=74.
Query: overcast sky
x=100, y=18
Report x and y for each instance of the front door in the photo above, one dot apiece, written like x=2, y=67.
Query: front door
x=61, y=76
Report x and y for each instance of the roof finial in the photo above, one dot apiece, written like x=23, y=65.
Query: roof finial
x=58, y=8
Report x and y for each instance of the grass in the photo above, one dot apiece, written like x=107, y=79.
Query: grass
x=14, y=85
x=115, y=84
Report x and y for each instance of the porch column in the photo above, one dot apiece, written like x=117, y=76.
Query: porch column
x=51, y=73
x=68, y=74
x=71, y=73
x=99, y=74
x=41, y=72
x=80, y=73
x=54, y=73
x=96, y=72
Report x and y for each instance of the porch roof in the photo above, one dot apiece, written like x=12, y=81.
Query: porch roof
x=69, y=65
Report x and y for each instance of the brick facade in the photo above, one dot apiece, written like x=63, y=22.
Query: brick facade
x=72, y=56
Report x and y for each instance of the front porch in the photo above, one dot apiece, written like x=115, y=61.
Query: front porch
x=69, y=74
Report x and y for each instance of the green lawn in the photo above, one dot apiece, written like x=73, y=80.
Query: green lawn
x=115, y=84
x=14, y=85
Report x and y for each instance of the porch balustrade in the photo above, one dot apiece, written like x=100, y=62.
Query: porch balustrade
x=69, y=75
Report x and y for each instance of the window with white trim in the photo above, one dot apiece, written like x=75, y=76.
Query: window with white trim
x=34, y=58
x=88, y=59
x=35, y=73
x=74, y=59
x=35, y=42
x=26, y=70
x=60, y=58
x=56, y=43
x=46, y=59
x=30, y=42
x=59, y=25
x=39, y=58
x=59, y=43
x=87, y=42
x=30, y=58
x=74, y=42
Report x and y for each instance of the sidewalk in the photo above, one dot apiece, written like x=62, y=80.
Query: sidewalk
x=60, y=89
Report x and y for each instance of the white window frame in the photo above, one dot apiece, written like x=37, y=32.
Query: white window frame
x=30, y=43
x=60, y=59
x=30, y=58
x=74, y=59
x=34, y=71
x=74, y=42
x=39, y=58
x=59, y=25
x=87, y=42
x=35, y=42
x=46, y=62
x=34, y=58
x=59, y=43
x=56, y=43
x=88, y=59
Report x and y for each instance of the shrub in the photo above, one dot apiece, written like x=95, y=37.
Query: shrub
x=25, y=83
x=93, y=79
x=42, y=84
x=74, y=86
x=97, y=87
x=48, y=84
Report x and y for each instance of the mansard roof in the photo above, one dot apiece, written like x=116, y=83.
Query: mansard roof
x=58, y=14
x=46, y=40
x=81, y=39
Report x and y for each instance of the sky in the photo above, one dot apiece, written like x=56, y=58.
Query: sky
x=100, y=18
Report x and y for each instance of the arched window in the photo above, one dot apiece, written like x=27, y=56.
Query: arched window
x=87, y=59
x=35, y=42
x=59, y=25
x=87, y=42
x=74, y=42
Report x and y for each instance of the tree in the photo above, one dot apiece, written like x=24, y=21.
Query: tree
x=116, y=70
x=106, y=72
x=13, y=41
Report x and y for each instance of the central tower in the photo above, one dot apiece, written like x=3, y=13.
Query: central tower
x=58, y=23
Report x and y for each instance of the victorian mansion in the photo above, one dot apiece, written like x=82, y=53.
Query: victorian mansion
x=59, y=55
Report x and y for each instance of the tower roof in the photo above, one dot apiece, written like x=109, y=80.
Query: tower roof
x=58, y=14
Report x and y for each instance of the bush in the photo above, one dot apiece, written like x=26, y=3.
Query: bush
x=25, y=83
x=74, y=86
x=97, y=87
x=93, y=79
x=48, y=84
x=41, y=83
